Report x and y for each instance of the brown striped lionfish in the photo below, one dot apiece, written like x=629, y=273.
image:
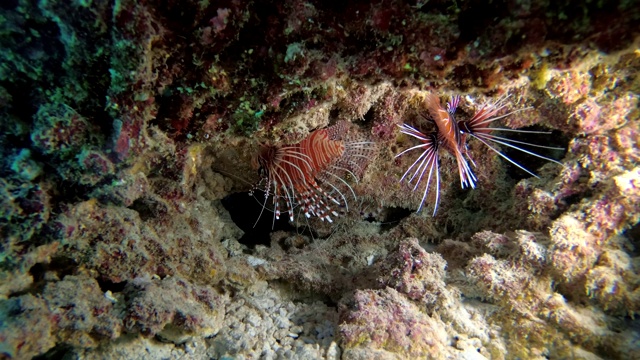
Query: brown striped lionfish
x=311, y=173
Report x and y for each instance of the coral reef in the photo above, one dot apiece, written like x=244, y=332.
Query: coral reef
x=127, y=133
x=384, y=319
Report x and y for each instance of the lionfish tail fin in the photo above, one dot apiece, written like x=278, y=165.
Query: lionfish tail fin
x=358, y=152
x=467, y=177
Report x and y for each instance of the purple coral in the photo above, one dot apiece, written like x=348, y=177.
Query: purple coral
x=415, y=273
x=172, y=308
x=384, y=320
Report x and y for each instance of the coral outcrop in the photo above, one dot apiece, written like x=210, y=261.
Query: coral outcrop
x=127, y=133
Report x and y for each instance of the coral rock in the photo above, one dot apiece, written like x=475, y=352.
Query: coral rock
x=173, y=309
x=385, y=320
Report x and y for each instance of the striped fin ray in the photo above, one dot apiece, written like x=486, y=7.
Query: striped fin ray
x=479, y=127
x=313, y=173
x=351, y=165
x=428, y=159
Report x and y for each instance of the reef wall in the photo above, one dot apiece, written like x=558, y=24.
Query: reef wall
x=127, y=134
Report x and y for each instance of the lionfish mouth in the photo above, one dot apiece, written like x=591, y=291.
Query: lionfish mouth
x=453, y=136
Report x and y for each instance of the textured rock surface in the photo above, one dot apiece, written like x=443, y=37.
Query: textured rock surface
x=127, y=134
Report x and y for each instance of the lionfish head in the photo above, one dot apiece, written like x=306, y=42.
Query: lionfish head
x=263, y=159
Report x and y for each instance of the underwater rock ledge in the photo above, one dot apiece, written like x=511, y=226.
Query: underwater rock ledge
x=127, y=126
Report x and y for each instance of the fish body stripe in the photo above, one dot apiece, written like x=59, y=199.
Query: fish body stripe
x=293, y=171
x=304, y=160
x=322, y=150
x=448, y=129
x=449, y=135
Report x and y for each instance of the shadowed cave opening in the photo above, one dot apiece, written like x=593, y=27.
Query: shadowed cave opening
x=245, y=212
x=60, y=351
x=393, y=216
x=245, y=209
x=532, y=163
x=633, y=234
x=108, y=285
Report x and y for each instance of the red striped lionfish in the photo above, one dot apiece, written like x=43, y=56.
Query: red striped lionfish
x=452, y=136
x=311, y=173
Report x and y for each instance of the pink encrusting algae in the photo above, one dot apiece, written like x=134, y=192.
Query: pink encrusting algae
x=453, y=135
x=121, y=237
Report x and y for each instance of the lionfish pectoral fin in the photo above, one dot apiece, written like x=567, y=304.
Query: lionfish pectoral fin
x=432, y=163
x=485, y=142
x=428, y=159
x=435, y=206
x=506, y=142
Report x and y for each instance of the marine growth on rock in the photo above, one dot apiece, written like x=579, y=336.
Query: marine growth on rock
x=133, y=132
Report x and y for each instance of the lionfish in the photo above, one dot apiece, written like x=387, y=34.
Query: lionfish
x=311, y=173
x=453, y=135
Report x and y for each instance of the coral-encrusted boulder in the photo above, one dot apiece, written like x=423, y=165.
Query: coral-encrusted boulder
x=173, y=309
x=383, y=321
x=416, y=273
x=26, y=327
x=118, y=244
x=82, y=312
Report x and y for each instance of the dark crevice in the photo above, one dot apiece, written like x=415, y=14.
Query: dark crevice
x=107, y=285
x=369, y=116
x=449, y=228
x=71, y=192
x=532, y=163
x=245, y=211
x=9, y=4
x=330, y=303
x=37, y=272
x=393, y=216
x=60, y=351
x=576, y=198
x=304, y=296
x=633, y=234
x=60, y=266
x=169, y=104
x=334, y=113
x=571, y=292
x=477, y=16
x=22, y=105
x=148, y=208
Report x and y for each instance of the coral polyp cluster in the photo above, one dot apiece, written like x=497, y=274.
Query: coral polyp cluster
x=128, y=130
